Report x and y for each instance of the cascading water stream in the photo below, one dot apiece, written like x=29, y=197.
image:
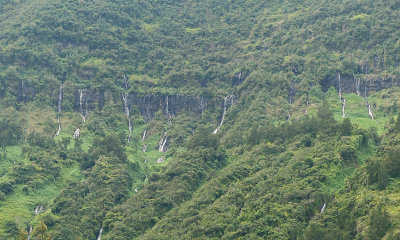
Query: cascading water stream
x=81, y=110
x=323, y=208
x=370, y=111
x=162, y=143
x=144, y=135
x=77, y=133
x=100, y=233
x=340, y=86
x=127, y=114
x=226, y=99
x=30, y=232
x=358, y=86
x=126, y=108
x=343, y=107
x=167, y=110
x=60, y=97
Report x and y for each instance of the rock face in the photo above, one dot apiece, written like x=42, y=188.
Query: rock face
x=87, y=99
x=240, y=76
x=170, y=105
x=359, y=85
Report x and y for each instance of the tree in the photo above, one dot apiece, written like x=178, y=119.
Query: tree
x=10, y=131
x=40, y=232
x=378, y=223
x=346, y=127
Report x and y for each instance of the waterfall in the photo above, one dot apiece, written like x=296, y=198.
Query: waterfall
x=323, y=208
x=226, y=99
x=144, y=148
x=38, y=209
x=370, y=111
x=30, y=232
x=167, y=110
x=77, y=133
x=202, y=105
x=144, y=135
x=340, y=86
x=60, y=97
x=127, y=114
x=136, y=190
x=162, y=143
x=82, y=112
x=100, y=233
x=343, y=106
x=358, y=86
x=126, y=107
x=59, y=127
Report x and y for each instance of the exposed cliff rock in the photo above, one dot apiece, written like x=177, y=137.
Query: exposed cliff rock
x=360, y=85
x=240, y=76
x=170, y=105
x=88, y=99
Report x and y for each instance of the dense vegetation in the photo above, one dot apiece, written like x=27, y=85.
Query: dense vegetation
x=304, y=95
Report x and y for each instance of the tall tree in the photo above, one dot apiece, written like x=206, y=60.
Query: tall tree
x=10, y=131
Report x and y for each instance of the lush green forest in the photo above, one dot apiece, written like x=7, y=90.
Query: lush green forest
x=189, y=119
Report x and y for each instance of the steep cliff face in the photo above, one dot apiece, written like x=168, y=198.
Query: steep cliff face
x=170, y=105
x=89, y=99
x=360, y=85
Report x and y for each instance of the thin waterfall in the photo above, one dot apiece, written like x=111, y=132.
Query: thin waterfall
x=144, y=148
x=144, y=135
x=370, y=111
x=226, y=99
x=126, y=107
x=82, y=111
x=60, y=97
x=30, y=232
x=340, y=86
x=127, y=114
x=100, y=233
x=77, y=133
x=167, y=110
x=358, y=86
x=323, y=208
x=38, y=209
x=162, y=143
x=343, y=106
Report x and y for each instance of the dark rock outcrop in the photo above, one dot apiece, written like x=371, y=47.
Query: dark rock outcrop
x=239, y=77
x=359, y=85
x=170, y=105
x=90, y=99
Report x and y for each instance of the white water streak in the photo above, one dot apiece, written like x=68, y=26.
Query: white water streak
x=323, y=208
x=370, y=111
x=60, y=97
x=226, y=99
x=100, y=233
x=82, y=112
x=144, y=135
x=343, y=107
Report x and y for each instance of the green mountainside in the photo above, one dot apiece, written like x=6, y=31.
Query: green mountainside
x=186, y=119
